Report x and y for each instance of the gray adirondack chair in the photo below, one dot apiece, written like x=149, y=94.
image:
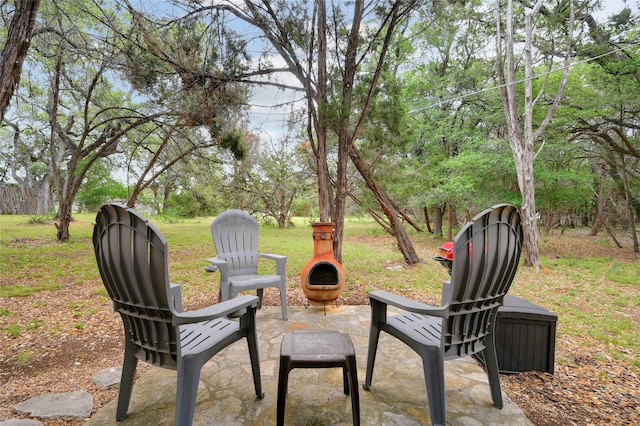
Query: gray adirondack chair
x=132, y=259
x=235, y=238
x=486, y=256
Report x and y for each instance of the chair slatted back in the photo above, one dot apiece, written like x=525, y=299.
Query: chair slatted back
x=486, y=256
x=132, y=258
x=235, y=237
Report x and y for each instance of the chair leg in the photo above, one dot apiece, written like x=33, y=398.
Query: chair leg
x=252, y=342
x=345, y=380
x=283, y=301
x=374, y=337
x=283, y=383
x=433, y=365
x=353, y=382
x=260, y=292
x=187, y=390
x=493, y=374
x=126, y=380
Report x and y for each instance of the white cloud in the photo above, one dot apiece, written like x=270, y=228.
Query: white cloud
x=271, y=106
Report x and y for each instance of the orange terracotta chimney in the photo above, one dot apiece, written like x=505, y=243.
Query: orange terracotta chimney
x=323, y=276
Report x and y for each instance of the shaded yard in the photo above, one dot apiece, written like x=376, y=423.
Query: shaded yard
x=55, y=338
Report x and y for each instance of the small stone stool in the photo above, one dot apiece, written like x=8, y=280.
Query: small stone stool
x=318, y=349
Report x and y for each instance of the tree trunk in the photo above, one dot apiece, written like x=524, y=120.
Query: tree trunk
x=451, y=214
x=601, y=202
x=426, y=219
x=631, y=217
x=549, y=220
x=531, y=248
x=340, y=194
x=324, y=178
x=166, y=194
x=65, y=217
x=44, y=196
x=437, y=220
x=15, y=49
x=519, y=125
x=404, y=243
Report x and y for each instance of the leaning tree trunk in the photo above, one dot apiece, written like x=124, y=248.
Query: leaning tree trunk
x=404, y=243
x=426, y=219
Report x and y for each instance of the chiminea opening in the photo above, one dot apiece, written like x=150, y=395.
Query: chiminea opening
x=322, y=277
x=323, y=273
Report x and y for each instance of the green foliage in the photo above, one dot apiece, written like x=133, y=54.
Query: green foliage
x=477, y=177
x=234, y=142
x=434, y=133
x=99, y=187
x=186, y=204
x=303, y=207
x=563, y=189
x=38, y=220
x=170, y=216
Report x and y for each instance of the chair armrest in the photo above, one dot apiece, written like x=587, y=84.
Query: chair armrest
x=280, y=260
x=176, y=296
x=222, y=266
x=219, y=310
x=409, y=305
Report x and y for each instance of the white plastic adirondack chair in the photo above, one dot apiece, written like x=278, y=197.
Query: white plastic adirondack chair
x=235, y=237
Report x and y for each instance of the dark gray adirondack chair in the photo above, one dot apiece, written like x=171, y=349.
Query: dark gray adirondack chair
x=132, y=258
x=486, y=255
x=235, y=237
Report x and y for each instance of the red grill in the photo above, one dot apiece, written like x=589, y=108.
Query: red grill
x=445, y=255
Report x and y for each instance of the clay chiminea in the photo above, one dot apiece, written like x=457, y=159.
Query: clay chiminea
x=323, y=276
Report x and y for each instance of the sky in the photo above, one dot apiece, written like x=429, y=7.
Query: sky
x=269, y=120
x=270, y=106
